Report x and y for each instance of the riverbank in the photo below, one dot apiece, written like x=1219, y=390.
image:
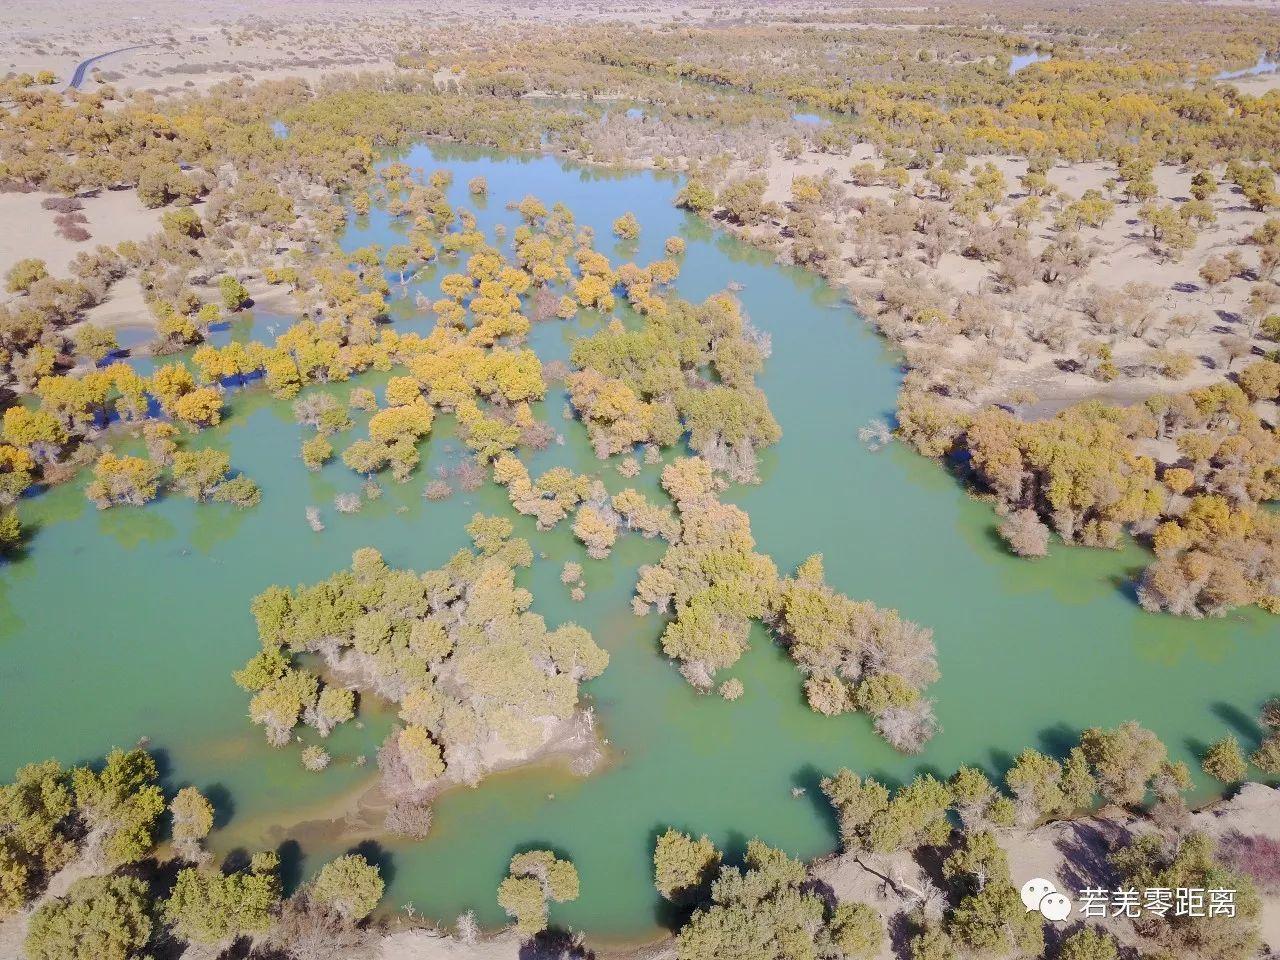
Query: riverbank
x=1033, y=337
x=573, y=749
x=1070, y=853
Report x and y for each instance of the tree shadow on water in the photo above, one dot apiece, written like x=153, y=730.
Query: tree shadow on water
x=164, y=763
x=224, y=807
x=1126, y=583
x=379, y=856
x=1001, y=761
x=668, y=914
x=809, y=779
x=671, y=916
x=1058, y=740
x=1195, y=746
x=236, y=860
x=734, y=850
x=1246, y=726
x=291, y=860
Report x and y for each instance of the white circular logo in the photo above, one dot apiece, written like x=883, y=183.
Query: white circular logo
x=1040, y=894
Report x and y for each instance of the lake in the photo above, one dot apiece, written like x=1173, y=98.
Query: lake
x=1265, y=64
x=127, y=623
x=1020, y=61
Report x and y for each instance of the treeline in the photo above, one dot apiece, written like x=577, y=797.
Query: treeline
x=98, y=861
x=936, y=847
x=1087, y=475
x=98, y=834
x=1120, y=81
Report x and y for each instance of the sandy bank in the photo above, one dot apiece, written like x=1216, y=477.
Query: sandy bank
x=113, y=216
x=1123, y=255
x=1071, y=853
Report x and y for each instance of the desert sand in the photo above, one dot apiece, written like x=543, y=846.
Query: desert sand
x=1124, y=256
x=29, y=230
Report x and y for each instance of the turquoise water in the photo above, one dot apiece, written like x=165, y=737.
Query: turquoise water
x=124, y=624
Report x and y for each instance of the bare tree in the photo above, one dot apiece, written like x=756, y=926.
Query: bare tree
x=306, y=931
x=1025, y=534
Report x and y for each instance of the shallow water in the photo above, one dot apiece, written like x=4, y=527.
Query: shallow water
x=1265, y=64
x=1020, y=61
x=128, y=623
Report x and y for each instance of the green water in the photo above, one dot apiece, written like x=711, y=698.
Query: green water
x=128, y=623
